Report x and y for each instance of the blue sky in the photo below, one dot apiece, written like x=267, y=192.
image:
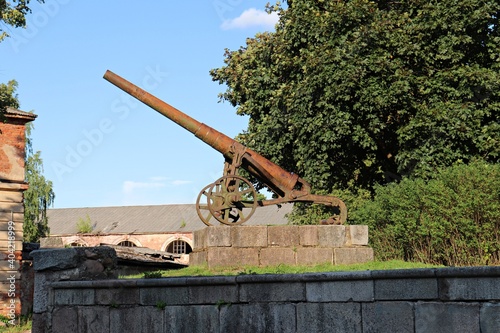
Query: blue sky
x=99, y=146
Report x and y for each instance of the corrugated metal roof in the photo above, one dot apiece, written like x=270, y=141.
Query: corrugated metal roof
x=149, y=219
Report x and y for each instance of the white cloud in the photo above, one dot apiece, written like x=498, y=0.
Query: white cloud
x=180, y=182
x=251, y=18
x=158, y=178
x=130, y=186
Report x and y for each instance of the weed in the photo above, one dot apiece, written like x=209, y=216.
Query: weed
x=247, y=271
x=84, y=225
x=152, y=275
x=280, y=269
x=220, y=303
x=161, y=305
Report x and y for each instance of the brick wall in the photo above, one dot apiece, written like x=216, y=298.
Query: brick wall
x=12, y=142
x=155, y=241
x=12, y=186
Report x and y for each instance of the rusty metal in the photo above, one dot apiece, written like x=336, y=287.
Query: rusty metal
x=232, y=199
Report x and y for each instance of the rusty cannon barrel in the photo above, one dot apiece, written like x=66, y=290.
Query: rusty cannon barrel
x=232, y=199
x=272, y=175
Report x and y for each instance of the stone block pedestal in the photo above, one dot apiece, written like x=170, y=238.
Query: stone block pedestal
x=273, y=245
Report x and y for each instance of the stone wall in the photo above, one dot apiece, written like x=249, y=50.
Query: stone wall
x=458, y=300
x=70, y=264
x=284, y=244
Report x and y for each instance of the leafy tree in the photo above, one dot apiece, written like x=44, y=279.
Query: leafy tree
x=39, y=195
x=84, y=225
x=13, y=14
x=8, y=96
x=350, y=94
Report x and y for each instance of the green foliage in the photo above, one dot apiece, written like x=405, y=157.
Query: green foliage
x=84, y=225
x=247, y=271
x=13, y=14
x=152, y=275
x=221, y=303
x=38, y=197
x=451, y=219
x=288, y=269
x=350, y=94
x=305, y=213
x=161, y=305
x=8, y=96
x=23, y=325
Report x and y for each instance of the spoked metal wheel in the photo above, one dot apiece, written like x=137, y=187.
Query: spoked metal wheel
x=202, y=209
x=232, y=200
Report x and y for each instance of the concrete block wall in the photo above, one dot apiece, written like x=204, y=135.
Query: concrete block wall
x=458, y=300
x=273, y=245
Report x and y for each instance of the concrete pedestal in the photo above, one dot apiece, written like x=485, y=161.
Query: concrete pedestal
x=272, y=245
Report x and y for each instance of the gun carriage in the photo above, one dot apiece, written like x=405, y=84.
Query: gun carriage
x=232, y=199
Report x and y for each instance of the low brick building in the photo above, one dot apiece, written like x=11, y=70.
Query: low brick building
x=12, y=186
x=166, y=228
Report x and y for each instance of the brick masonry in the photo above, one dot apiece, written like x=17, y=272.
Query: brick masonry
x=273, y=245
x=12, y=186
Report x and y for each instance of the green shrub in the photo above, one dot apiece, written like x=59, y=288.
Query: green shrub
x=306, y=213
x=452, y=219
x=152, y=275
x=84, y=225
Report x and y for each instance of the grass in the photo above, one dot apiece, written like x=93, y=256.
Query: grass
x=284, y=269
x=24, y=326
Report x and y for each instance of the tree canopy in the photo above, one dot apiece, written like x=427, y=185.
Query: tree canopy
x=349, y=94
x=38, y=197
x=13, y=14
x=8, y=96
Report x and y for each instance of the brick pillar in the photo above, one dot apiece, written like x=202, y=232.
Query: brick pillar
x=12, y=186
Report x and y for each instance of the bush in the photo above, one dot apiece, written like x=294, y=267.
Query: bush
x=306, y=213
x=152, y=275
x=452, y=219
x=84, y=225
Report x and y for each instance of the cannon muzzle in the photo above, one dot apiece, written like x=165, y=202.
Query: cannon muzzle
x=215, y=139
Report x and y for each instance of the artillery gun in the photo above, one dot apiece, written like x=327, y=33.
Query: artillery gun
x=232, y=199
